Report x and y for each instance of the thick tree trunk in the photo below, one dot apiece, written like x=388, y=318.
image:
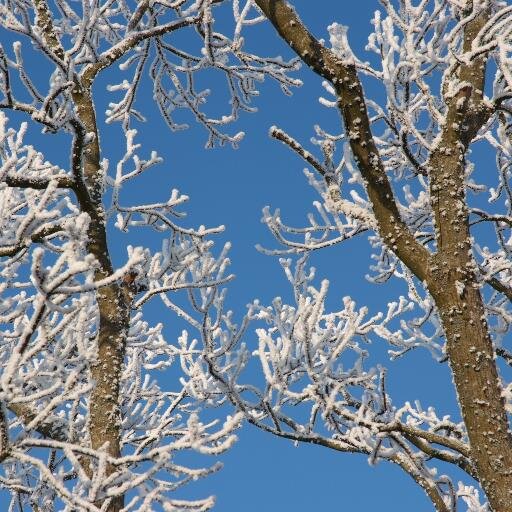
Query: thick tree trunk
x=471, y=357
x=454, y=287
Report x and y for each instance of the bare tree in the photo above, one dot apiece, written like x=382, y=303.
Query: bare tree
x=400, y=172
x=84, y=425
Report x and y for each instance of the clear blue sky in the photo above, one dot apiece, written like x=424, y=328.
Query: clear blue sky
x=231, y=187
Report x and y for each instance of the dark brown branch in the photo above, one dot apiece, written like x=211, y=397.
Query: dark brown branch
x=418, y=168
x=13, y=180
x=462, y=462
x=37, y=237
x=430, y=437
x=4, y=67
x=352, y=107
x=500, y=287
x=505, y=354
x=500, y=99
x=113, y=301
x=398, y=458
x=407, y=461
x=485, y=217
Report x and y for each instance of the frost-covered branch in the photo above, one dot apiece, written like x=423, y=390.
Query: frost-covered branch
x=49, y=326
x=86, y=423
x=319, y=387
x=401, y=170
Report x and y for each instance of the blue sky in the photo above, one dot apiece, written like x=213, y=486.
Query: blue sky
x=231, y=187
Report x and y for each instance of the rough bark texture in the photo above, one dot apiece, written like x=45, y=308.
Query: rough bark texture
x=452, y=284
x=113, y=301
x=449, y=273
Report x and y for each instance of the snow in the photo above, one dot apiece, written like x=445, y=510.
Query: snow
x=312, y=357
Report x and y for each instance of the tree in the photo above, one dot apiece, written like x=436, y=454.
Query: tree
x=84, y=425
x=401, y=172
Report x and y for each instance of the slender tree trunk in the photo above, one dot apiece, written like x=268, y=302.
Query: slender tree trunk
x=113, y=301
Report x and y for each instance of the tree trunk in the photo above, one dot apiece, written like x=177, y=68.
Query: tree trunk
x=471, y=357
x=113, y=301
x=455, y=289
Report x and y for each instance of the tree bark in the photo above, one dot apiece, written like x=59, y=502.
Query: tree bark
x=113, y=300
x=448, y=274
x=454, y=287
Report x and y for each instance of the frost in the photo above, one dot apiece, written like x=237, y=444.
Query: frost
x=49, y=322
x=322, y=379
x=401, y=187
x=56, y=274
x=339, y=41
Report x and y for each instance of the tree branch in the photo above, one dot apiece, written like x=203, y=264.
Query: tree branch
x=462, y=462
x=448, y=274
x=36, y=237
x=352, y=107
x=51, y=427
x=430, y=488
x=500, y=287
x=4, y=433
x=45, y=24
x=505, y=354
x=33, y=112
x=280, y=135
x=430, y=437
x=119, y=50
x=12, y=180
x=485, y=217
